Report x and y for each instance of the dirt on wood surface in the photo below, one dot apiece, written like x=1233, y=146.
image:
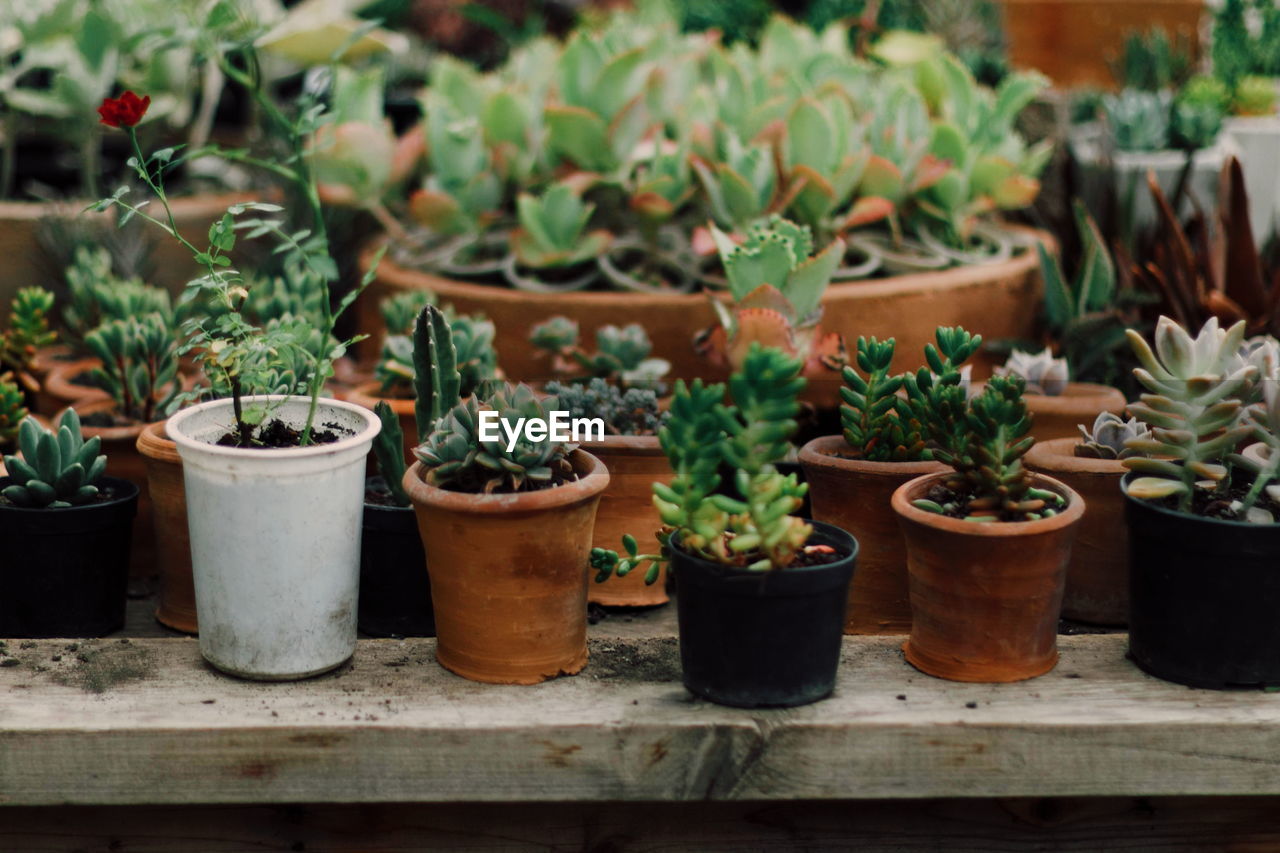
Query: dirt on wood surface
x=655, y=659
x=95, y=666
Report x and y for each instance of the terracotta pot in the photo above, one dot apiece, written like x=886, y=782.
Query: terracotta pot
x=369, y=395
x=1076, y=42
x=997, y=300
x=1060, y=416
x=1098, y=577
x=47, y=358
x=57, y=391
x=177, y=599
x=120, y=443
x=855, y=495
x=509, y=575
x=634, y=462
x=985, y=598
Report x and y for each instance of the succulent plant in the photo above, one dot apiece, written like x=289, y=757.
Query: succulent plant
x=776, y=286
x=388, y=450
x=1255, y=96
x=1194, y=404
x=139, y=364
x=1042, y=373
x=475, y=360
x=1263, y=419
x=13, y=409
x=400, y=311
x=824, y=157
x=630, y=411
x=28, y=328
x=1109, y=437
x=462, y=191
x=55, y=469
x=622, y=354
x=663, y=183
x=455, y=457
x=552, y=232
x=740, y=184
x=1139, y=121
x=437, y=381
x=97, y=294
x=295, y=294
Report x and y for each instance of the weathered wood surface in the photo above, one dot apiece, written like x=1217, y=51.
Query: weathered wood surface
x=1176, y=825
x=146, y=721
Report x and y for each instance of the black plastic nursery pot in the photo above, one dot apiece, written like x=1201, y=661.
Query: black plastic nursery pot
x=395, y=590
x=65, y=571
x=763, y=639
x=1202, y=597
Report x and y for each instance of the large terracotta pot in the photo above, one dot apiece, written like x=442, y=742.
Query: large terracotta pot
x=170, y=264
x=1098, y=577
x=1081, y=403
x=855, y=495
x=509, y=575
x=998, y=300
x=369, y=395
x=985, y=598
x=634, y=463
x=1076, y=42
x=120, y=444
x=57, y=390
x=177, y=600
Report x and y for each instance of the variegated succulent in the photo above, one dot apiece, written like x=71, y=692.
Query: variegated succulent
x=1042, y=373
x=1109, y=437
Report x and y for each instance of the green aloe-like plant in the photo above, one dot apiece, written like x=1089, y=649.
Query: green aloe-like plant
x=388, y=450
x=139, y=364
x=54, y=469
x=553, y=230
x=1194, y=401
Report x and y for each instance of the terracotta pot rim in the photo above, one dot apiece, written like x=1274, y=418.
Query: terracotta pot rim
x=154, y=443
x=114, y=433
x=626, y=445
x=821, y=453
x=593, y=480
x=370, y=391
x=998, y=530
x=1057, y=456
x=57, y=382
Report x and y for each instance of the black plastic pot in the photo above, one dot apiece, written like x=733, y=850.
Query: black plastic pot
x=1202, y=597
x=65, y=571
x=395, y=592
x=763, y=639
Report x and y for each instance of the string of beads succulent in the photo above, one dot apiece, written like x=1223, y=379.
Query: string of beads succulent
x=54, y=469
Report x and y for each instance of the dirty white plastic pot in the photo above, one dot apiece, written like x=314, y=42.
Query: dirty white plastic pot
x=275, y=539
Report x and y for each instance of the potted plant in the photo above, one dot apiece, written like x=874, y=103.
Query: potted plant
x=1058, y=405
x=988, y=543
x=760, y=594
x=13, y=411
x=853, y=476
x=1192, y=501
x=27, y=334
x=66, y=527
x=1097, y=588
x=507, y=529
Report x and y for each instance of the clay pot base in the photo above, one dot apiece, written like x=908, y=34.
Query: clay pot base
x=953, y=669
x=495, y=671
x=276, y=678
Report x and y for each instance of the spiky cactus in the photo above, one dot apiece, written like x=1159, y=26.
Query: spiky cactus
x=476, y=360
x=139, y=364
x=1042, y=373
x=388, y=450
x=436, y=382
x=28, y=328
x=54, y=470
x=1109, y=437
x=13, y=409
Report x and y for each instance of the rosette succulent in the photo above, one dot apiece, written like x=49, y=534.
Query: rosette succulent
x=1042, y=373
x=55, y=469
x=1109, y=437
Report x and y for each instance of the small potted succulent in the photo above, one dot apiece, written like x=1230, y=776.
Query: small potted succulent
x=1203, y=532
x=988, y=542
x=619, y=384
x=66, y=529
x=1057, y=405
x=13, y=411
x=852, y=476
x=28, y=334
x=760, y=594
x=1092, y=464
x=507, y=529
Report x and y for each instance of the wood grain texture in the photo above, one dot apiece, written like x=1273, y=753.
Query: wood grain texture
x=395, y=727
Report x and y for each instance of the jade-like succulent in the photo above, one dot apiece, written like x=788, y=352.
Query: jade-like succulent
x=55, y=469
x=740, y=184
x=702, y=435
x=28, y=327
x=1042, y=373
x=388, y=450
x=622, y=354
x=1109, y=437
x=454, y=457
x=1194, y=404
x=139, y=364
x=629, y=411
x=776, y=286
x=824, y=157
x=97, y=294
x=552, y=232
x=13, y=409
x=663, y=183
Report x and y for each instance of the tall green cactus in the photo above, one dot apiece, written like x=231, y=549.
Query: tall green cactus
x=436, y=380
x=388, y=449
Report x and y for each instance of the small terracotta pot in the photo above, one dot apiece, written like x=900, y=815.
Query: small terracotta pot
x=120, y=444
x=509, y=575
x=1098, y=577
x=634, y=463
x=47, y=358
x=985, y=598
x=370, y=394
x=854, y=494
x=57, y=391
x=1060, y=416
x=177, y=600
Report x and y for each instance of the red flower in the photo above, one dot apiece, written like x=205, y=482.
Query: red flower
x=124, y=111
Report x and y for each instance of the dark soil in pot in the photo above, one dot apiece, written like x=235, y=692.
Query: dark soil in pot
x=1202, y=597
x=65, y=571
x=763, y=639
x=395, y=590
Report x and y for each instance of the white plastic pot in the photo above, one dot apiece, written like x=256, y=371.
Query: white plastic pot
x=275, y=539
x=1258, y=138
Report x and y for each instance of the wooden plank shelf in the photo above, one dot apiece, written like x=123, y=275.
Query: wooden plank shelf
x=145, y=721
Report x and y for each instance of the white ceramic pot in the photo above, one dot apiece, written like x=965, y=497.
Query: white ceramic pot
x=275, y=539
x=1258, y=138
